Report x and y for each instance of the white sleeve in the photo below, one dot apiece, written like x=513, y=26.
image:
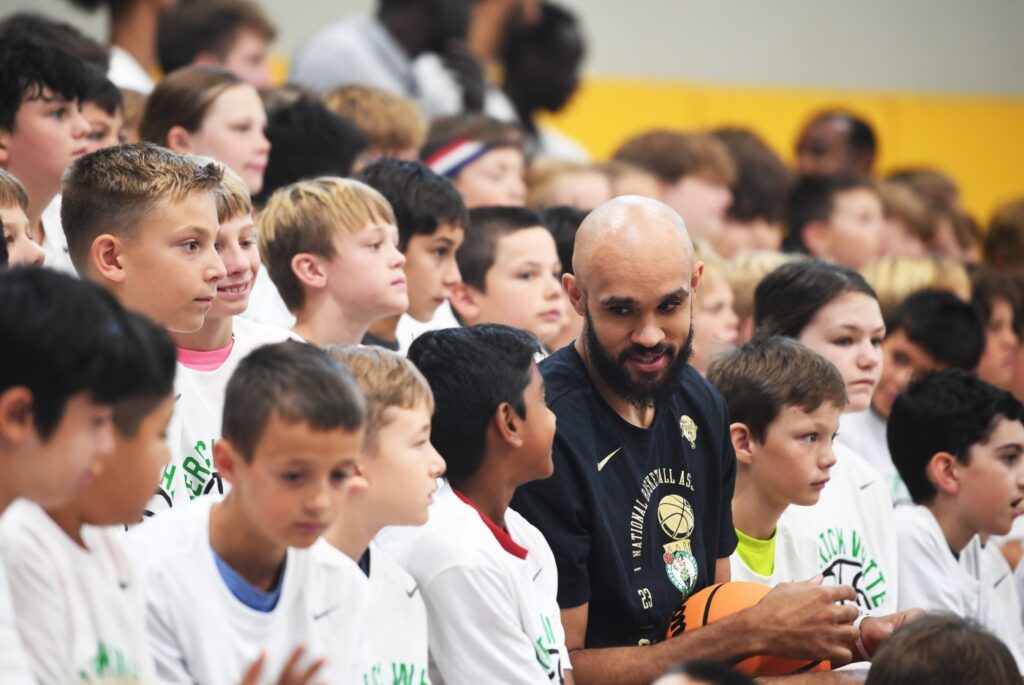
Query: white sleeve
x=13, y=660
x=168, y=656
x=925, y=582
x=474, y=631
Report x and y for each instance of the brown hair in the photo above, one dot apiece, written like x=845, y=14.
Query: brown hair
x=110, y=190
x=390, y=121
x=12, y=192
x=1004, y=243
x=671, y=155
x=182, y=99
x=192, y=27
x=480, y=127
x=900, y=203
x=305, y=217
x=387, y=379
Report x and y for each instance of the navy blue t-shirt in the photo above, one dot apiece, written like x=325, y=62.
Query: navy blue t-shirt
x=636, y=517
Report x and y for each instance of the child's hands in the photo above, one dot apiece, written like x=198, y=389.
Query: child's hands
x=875, y=630
x=291, y=674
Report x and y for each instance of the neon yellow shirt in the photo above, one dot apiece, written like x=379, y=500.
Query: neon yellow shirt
x=758, y=555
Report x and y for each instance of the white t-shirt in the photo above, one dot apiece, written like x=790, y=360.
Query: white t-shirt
x=13, y=661
x=998, y=577
x=126, y=72
x=492, y=615
x=931, y=578
x=853, y=526
x=396, y=623
x=55, y=243
x=266, y=305
x=864, y=433
x=79, y=612
x=199, y=632
x=198, y=411
x=796, y=559
x=409, y=328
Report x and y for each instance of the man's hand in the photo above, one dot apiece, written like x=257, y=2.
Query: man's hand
x=876, y=629
x=467, y=72
x=805, y=621
x=291, y=674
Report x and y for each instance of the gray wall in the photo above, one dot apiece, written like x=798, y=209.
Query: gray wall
x=925, y=45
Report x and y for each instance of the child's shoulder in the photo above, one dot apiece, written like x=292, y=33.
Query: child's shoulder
x=26, y=530
x=171, y=537
x=252, y=334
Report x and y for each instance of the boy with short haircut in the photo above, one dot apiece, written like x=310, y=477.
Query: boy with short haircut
x=784, y=402
x=402, y=468
x=695, y=172
x=103, y=109
x=142, y=222
x=487, y=576
x=18, y=246
x=226, y=579
x=234, y=34
x=431, y=220
x=931, y=330
x=392, y=124
x=78, y=601
x=331, y=248
x=958, y=444
x=835, y=218
x=65, y=342
x=41, y=128
x=511, y=273
x=1004, y=241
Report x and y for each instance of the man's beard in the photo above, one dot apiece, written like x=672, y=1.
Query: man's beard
x=614, y=372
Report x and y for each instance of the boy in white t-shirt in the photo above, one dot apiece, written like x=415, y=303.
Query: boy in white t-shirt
x=958, y=444
x=227, y=579
x=63, y=343
x=931, y=330
x=402, y=468
x=207, y=357
x=487, y=576
x=18, y=245
x=76, y=596
x=784, y=403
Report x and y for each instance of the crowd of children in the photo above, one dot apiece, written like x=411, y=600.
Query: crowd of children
x=372, y=378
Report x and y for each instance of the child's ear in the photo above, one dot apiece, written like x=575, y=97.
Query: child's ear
x=179, y=140
x=508, y=425
x=16, y=414
x=742, y=443
x=465, y=303
x=572, y=288
x=309, y=269
x=226, y=460
x=816, y=238
x=106, y=257
x=944, y=472
x=5, y=141
x=206, y=57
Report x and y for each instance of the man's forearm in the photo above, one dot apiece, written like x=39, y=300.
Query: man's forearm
x=729, y=639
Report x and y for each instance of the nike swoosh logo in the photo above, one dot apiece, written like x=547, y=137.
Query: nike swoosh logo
x=410, y=593
x=1001, y=579
x=177, y=397
x=600, y=464
x=538, y=572
x=325, y=612
x=865, y=486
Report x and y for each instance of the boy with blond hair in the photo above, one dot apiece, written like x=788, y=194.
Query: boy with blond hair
x=402, y=468
x=17, y=239
x=392, y=124
x=784, y=403
x=226, y=579
x=331, y=248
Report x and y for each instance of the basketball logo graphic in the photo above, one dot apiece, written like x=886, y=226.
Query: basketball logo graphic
x=675, y=516
x=688, y=427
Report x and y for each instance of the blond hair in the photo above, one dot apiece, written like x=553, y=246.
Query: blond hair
x=111, y=190
x=746, y=270
x=232, y=196
x=387, y=380
x=900, y=203
x=894, y=278
x=12, y=193
x=305, y=217
x=672, y=155
x=714, y=268
x=390, y=121
x=547, y=176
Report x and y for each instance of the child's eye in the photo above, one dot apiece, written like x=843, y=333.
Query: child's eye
x=191, y=245
x=876, y=342
x=843, y=342
x=291, y=477
x=59, y=113
x=1011, y=459
x=441, y=252
x=525, y=276
x=340, y=475
x=377, y=245
x=810, y=437
x=246, y=244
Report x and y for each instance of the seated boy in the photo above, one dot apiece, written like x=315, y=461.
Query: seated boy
x=931, y=330
x=207, y=357
x=103, y=109
x=694, y=173
x=331, y=248
x=431, y=220
x=958, y=444
x=402, y=468
x=487, y=576
x=77, y=599
x=17, y=240
x=41, y=128
x=391, y=123
x=835, y=218
x=997, y=297
x=65, y=343
x=1004, y=241
x=234, y=34
x=784, y=403
x=511, y=273
x=226, y=579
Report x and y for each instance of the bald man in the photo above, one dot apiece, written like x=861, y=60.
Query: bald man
x=637, y=512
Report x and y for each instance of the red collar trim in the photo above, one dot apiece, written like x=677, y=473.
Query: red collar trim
x=500, y=534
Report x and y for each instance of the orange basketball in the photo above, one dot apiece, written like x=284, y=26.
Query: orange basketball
x=716, y=601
